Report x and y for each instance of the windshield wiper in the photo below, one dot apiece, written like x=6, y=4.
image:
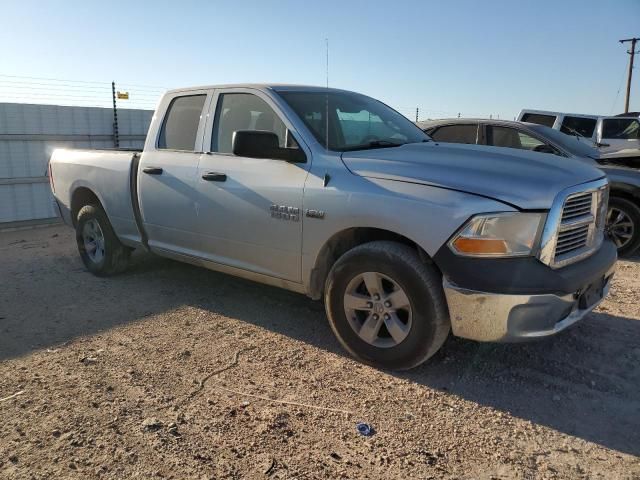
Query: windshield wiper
x=373, y=144
x=575, y=132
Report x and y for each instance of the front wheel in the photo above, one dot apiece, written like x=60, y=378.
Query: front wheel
x=386, y=306
x=100, y=250
x=623, y=225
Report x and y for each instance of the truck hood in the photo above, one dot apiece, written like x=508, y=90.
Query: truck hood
x=528, y=180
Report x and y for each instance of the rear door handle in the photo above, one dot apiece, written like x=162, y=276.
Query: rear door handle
x=214, y=177
x=152, y=170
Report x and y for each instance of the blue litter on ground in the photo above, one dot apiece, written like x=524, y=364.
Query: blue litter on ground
x=364, y=429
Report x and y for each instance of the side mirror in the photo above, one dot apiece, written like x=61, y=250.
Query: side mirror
x=262, y=144
x=544, y=149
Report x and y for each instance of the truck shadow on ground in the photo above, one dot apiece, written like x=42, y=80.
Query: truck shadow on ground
x=584, y=382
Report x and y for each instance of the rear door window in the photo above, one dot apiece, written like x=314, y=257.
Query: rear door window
x=540, y=119
x=180, y=126
x=464, y=133
x=621, y=128
x=580, y=126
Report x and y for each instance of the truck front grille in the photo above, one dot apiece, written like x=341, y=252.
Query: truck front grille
x=572, y=239
x=581, y=227
x=577, y=206
x=575, y=225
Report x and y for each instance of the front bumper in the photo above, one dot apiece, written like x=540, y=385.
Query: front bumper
x=511, y=317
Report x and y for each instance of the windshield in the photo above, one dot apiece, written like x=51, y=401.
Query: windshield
x=356, y=122
x=621, y=128
x=580, y=147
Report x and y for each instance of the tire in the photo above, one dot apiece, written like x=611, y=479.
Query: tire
x=419, y=328
x=623, y=225
x=105, y=255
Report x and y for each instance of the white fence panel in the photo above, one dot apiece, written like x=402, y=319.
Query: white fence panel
x=29, y=134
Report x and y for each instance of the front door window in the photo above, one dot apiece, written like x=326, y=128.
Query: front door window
x=243, y=111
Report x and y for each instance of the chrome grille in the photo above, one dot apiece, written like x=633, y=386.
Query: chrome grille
x=572, y=239
x=575, y=224
x=577, y=206
x=581, y=226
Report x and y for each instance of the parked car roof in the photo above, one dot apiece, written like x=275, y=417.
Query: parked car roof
x=449, y=121
x=581, y=147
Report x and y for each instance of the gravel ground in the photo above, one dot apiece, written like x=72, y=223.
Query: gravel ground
x=170, y=371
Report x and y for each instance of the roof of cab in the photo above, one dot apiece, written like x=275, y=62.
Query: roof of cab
x=278, y=87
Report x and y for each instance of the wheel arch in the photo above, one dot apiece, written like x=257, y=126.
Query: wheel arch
x=626, y=191
x=80, y=197
x=343, y=241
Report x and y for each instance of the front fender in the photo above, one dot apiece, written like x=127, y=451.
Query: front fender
x=425, y=215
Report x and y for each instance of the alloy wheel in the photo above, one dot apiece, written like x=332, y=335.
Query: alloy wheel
x=620, y=226
x=378, y=309
x=93, y=239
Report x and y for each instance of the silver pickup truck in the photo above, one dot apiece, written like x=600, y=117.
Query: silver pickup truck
x=335, y=195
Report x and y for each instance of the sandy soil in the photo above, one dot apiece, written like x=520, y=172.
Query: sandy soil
x=170, y=371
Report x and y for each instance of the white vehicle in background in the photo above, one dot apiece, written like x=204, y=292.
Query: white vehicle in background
x=616, y=137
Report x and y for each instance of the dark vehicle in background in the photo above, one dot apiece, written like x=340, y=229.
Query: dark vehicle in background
x=623, y=217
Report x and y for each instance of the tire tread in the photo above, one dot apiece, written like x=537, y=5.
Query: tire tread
x=428, y=276
x=116, y=254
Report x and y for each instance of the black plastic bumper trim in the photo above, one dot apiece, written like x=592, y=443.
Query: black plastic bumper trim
x=524, y=275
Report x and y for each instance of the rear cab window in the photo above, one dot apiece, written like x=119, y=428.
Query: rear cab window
x=464, y=133
x=581, y=126
x=539, y=118
x=180, y=125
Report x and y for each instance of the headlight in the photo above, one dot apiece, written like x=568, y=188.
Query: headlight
x=509, y=234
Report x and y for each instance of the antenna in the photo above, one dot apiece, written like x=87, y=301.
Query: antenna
x=326, y=114
x=327, y=66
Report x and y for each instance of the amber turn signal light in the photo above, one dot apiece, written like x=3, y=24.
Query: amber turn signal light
x=480, y=246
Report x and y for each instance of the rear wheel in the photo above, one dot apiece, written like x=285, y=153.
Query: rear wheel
x=623, y=225
x=100, y=250
x=386, y=306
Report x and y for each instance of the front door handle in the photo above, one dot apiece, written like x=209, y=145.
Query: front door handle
x=214, y=177
x=152, y=170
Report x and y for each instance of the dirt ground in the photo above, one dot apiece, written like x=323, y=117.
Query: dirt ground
x=171, y=371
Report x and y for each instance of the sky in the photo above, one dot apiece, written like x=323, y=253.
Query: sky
x=476, y=58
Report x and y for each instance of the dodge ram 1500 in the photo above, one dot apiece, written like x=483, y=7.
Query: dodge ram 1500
x=335, y=195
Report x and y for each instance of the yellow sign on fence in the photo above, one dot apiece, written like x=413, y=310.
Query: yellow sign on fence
x=123, y=95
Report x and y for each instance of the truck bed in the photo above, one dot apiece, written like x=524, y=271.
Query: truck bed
x=109, y=174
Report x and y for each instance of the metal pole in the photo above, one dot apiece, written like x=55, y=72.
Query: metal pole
x=631, y=52
x=116, y=139
x=417, y=111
